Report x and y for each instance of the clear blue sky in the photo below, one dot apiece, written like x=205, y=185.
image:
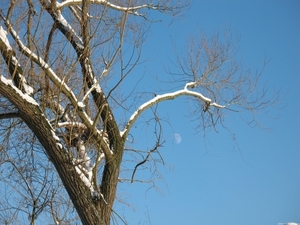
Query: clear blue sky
x=209, y=180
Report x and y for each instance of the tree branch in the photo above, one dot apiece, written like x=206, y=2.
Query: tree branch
x=60, y=6
x=9, y=115
x=168, y=96
x=14, y=67
x=34, y=117
x=62, y=85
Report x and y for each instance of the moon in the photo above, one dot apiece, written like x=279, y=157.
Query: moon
x=177, y=138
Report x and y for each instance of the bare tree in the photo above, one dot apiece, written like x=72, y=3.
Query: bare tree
x=64, y=64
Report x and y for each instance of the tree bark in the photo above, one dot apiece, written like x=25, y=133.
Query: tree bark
x=32, y=115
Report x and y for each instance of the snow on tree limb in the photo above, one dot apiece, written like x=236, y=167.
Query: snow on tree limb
x=72, y=124
x=105, y=3
x=84, y=179
x=39, y=61
x=88, y=73
x=13, y=63
x=4, y=39
x=164, y=97
x=9, y=83
x=62, y=85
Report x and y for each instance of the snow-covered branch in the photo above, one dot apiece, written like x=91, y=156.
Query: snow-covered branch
x=62, y=85
x=12, y=62
x=39, y=61
x=8, y=82
x=85, y=179
x=4, y=39
x=164, y=97
x=69, y=124
x=77, y=40
x=107, y=4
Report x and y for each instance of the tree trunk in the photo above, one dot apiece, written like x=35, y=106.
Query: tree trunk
x=88, y=209
x=109, y=186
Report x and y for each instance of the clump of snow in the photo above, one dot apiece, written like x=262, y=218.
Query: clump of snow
x=26, y=97
x=84, y=179
x=55, y=136
x=81, y=105
x=4, y=39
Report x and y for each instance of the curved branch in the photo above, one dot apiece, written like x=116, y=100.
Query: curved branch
x=145, y=160
x=168, y=96
x=60, y=6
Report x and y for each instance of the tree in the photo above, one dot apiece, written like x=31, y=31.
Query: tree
x=61, y=99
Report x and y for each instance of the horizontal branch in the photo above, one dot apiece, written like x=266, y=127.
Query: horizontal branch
x=9, y=115
x=72, y=124
x=168, y=96
x=105, y=3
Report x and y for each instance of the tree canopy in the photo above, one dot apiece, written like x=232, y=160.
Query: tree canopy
x=66, y=117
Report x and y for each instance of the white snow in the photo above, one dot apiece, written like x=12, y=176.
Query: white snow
x=85, y=180
x=54, y=135
x=4, y=39
x=167, y=96
x=81, y=150
x=51, y=74
x=72, y=124
x=64, y=22
x=26, y=97
x=98, y=89
x=81, y=105
x=28, y=89
x=122, y=132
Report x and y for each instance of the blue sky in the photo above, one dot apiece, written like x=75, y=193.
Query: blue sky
x=254, y=179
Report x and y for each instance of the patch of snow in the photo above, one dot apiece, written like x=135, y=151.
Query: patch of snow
x=4, y=39
x=72, y=124
x=55, y=136
x=26, y=97
x=87, y=162
x=104, y=73
x=168, y=96
x=98, y=89
x=81, y=105
x=122, y=132
x=28, y=89
x=84, y=179
x=102, y=156
x=65, y=23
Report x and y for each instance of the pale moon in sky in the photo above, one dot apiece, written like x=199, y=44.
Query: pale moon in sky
x=177, y=138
